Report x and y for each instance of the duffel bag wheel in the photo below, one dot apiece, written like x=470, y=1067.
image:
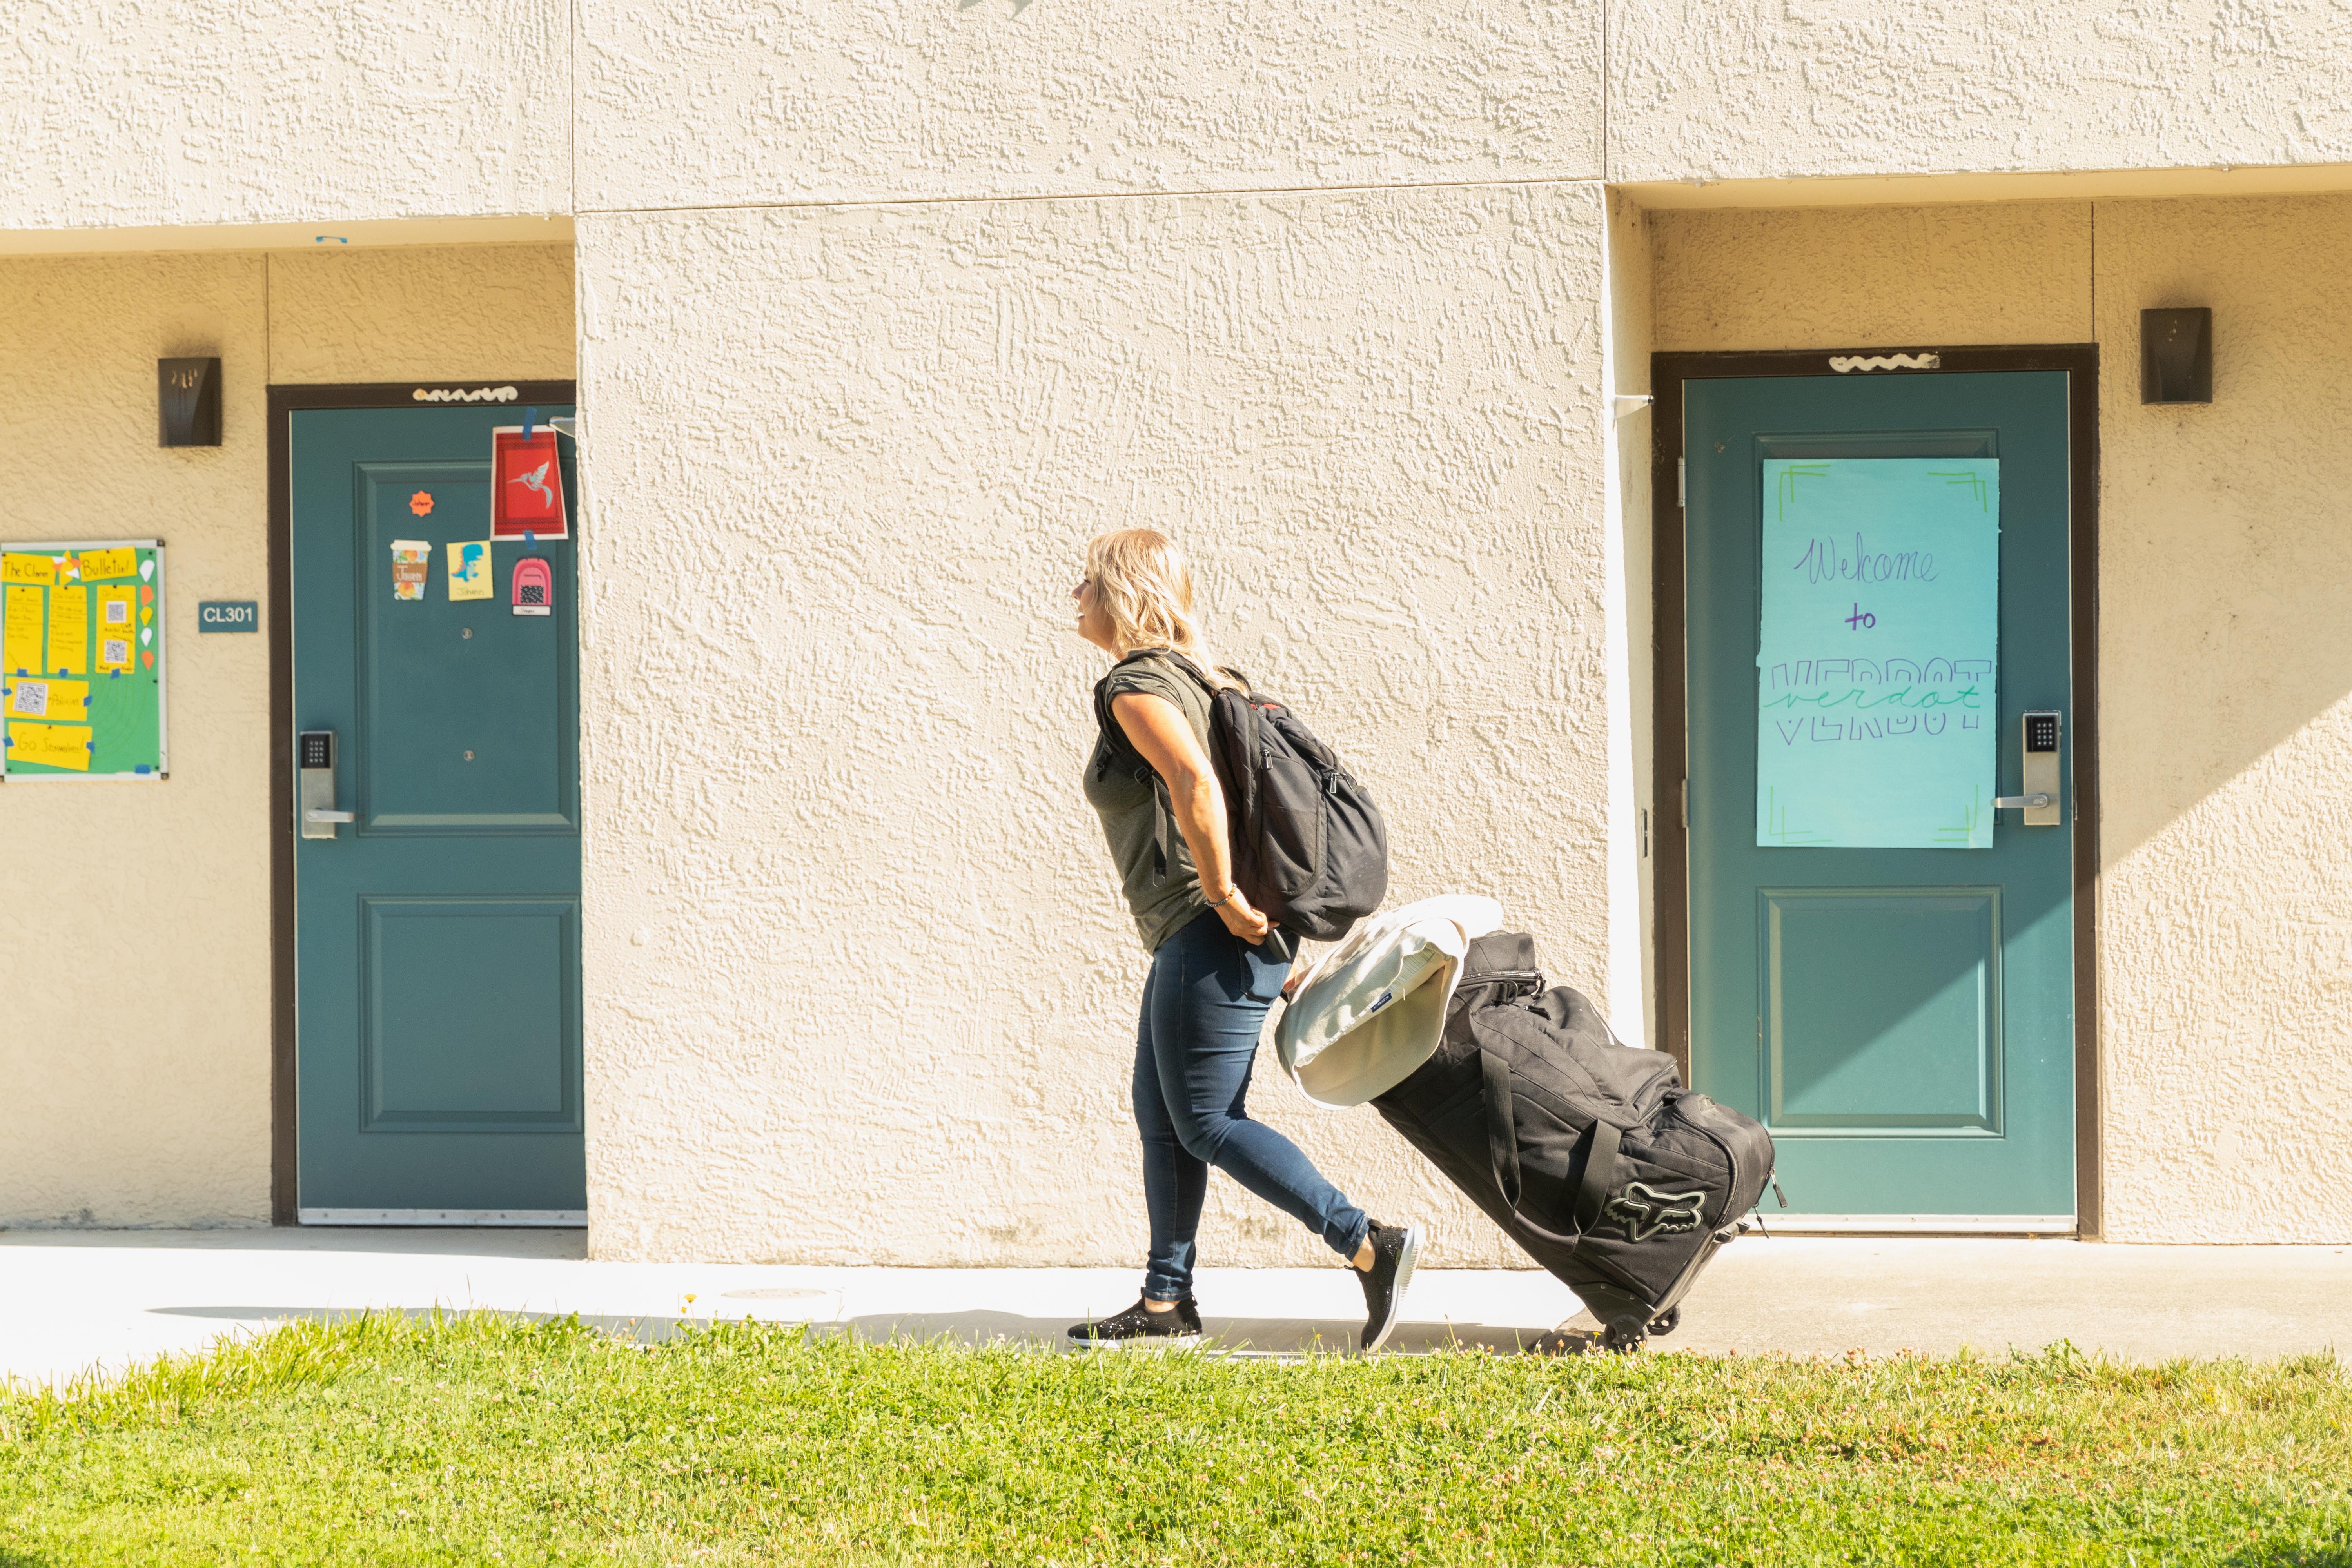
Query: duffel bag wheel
x=1666, y=1322
x=1623, y=1335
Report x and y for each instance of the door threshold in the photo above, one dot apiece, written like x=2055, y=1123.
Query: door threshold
x=576, y=1219
x=1917, y=1224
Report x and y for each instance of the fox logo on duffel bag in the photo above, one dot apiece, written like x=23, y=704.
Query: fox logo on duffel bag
x=1645, y=1212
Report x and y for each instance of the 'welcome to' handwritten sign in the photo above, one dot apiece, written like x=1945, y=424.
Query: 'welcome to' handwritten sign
x=1881, y=631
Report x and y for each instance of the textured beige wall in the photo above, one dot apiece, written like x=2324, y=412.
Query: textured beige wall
x=684, y=104
x=2225, y=719
x=427, y=313
x=134, y=113
x=1742, y=89
x=1873, y=276
x=136, y=1089
x=134, y=1082
x=2226, y=731
x=859, y=982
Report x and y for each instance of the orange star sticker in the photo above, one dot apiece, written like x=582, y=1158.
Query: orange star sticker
x=420, y=502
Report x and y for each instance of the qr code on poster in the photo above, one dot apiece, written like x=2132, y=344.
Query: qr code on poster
x=30, y=698
x=114, y=650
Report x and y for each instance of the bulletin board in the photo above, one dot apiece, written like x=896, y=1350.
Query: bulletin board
x=81, y=661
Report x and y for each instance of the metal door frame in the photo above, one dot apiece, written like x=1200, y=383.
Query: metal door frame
x=284, y=401
x=1670, y=750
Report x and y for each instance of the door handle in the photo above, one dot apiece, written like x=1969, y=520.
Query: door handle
x=2041, y=766
x=315, y=753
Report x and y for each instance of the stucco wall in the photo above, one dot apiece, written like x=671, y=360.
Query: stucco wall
x=1744, y=89
x=860, y=985
x=135, y=1088
x=1859, y=276
x=2226, y=661
x=427, y=312
x=137, y=113
x=137, y=1073
x=2225, y=716
x=683, y=104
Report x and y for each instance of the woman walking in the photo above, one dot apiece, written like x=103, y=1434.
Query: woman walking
x=1216, y=967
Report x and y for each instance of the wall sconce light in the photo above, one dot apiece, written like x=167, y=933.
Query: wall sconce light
x=2176, y=355
x=187, y=403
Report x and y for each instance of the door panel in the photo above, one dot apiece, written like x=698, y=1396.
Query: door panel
x=1901, y=1018
x=466, y=1015
x=438, y=936
x=1882, y=1008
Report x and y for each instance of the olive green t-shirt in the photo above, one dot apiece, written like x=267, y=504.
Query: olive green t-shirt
x=1130, y=807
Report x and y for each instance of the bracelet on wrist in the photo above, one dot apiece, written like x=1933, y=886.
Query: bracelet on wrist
x=1226, y=899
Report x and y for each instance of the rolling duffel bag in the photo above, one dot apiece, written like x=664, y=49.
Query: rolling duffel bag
x=1593, y=1157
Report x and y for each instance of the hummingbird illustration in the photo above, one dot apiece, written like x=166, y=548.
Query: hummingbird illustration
x=535, y=483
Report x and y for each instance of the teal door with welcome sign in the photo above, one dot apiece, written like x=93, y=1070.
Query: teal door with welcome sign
x=437, y=930
x=1880, y=959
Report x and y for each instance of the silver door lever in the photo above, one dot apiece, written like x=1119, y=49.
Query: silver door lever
x=2018, y=802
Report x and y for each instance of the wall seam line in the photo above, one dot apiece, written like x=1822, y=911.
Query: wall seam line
x=1549, y=181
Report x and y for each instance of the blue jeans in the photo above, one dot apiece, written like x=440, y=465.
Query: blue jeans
x=1203, y=1006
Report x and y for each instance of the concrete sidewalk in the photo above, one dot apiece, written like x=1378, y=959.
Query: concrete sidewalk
x=71, y=1301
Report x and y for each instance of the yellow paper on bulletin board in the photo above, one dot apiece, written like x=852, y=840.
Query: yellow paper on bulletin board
x=97, y=565
x=68, y=632
x=20, y=629
x=55, y=701
x=49, y=745
x=118, y=621
x=17, y=566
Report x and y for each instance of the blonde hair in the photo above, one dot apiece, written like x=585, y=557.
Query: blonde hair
x=1144, y=584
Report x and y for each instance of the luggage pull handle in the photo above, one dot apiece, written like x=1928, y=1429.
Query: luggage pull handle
x=1601, y=1140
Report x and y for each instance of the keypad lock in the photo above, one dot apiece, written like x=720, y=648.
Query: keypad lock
x=314, y=757
x=2039, y=801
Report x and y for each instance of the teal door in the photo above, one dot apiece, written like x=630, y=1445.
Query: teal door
x=436, y=932
x=1882, y=964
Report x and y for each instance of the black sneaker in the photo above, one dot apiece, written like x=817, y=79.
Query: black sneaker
x=1395, y=1249
x=1141, y=1328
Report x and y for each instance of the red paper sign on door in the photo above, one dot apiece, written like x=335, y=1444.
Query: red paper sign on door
x=527, y=484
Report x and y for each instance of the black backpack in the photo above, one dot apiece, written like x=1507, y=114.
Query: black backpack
x=1594, y=1158
x=1310, y=850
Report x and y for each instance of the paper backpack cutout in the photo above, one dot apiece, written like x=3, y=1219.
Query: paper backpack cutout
x=527, y=489
x=535, y=588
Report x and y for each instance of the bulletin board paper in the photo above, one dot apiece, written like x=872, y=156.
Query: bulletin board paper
x=82, y=669
x=1876, y=655
x=526, y=485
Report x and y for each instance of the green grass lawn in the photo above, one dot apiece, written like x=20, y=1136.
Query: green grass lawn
x=474, y=1441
